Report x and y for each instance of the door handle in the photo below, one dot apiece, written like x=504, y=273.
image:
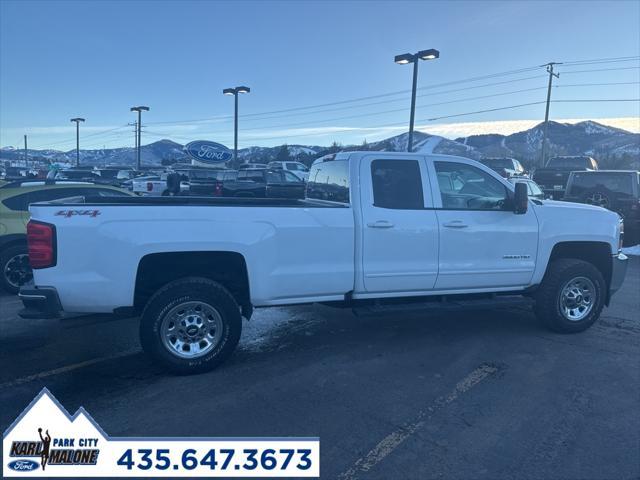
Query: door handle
x=380, y=224
x=455, y=224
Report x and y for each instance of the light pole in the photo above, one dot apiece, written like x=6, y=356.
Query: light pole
x=77, y=120
x=235, y=91
x=403, y=59
x=139, y=109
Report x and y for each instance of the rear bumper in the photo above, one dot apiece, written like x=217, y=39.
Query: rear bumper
x=619, y=265
x=39, y=302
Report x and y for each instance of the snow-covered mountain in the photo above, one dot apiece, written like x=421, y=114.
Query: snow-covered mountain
x=588, y=137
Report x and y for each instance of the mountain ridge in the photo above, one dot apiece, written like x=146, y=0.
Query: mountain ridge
x=584, y=138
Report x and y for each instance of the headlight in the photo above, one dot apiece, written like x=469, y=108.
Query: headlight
x=621, y=237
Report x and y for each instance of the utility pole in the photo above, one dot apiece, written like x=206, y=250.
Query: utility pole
x=546, y=113
x=26, y=158
x=77, y=120
x=139, y=109
x=135, y=133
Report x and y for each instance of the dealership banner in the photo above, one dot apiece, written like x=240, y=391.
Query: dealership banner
x=45, y=441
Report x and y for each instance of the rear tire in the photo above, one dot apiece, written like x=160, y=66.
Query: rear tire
x=571, y=296
x=190, y=325
x=14, y=268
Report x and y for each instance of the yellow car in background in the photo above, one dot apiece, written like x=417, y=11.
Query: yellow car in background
x=15, y=198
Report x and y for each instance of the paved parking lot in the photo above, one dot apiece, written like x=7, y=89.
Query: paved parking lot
x=466, y=395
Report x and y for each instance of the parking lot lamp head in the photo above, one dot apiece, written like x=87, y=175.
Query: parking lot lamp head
x=405, y=59
x=430, y=54
x=229, y=91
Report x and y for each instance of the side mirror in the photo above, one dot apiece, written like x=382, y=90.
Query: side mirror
x=521, y=199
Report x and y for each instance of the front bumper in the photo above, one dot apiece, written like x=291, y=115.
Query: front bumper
x=39, y=302
x=619, y=263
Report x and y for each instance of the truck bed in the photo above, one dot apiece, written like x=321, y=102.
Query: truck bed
x=193, y=201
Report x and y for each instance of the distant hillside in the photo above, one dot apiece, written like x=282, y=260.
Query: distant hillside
x=584, y=138
x=615, y=148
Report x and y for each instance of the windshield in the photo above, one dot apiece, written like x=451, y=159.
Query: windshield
x=570, y=162
x=498, y=163
x=108, y=173
x=612, y=181
x=75, y=174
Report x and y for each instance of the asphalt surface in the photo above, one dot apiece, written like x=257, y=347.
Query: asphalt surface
x=468, y=395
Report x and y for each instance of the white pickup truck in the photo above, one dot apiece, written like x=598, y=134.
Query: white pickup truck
x=377, y=231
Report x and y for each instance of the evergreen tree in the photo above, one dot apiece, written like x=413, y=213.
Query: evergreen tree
x=283, y=154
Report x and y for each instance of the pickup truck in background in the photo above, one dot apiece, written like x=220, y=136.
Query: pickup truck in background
x=377, y=232
x=554, y=176
x=264, y=183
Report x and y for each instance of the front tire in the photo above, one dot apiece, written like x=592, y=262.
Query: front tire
x=571, y=296
x=191, y=325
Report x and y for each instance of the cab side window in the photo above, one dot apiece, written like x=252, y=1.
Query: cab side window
x=329, y=181
x=290, y=177
x=464, y=187
x=397, y=184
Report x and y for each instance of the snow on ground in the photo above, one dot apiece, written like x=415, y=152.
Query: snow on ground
x=269, y=328
x=635, y=250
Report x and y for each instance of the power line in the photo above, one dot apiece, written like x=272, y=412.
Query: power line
x=353, y=100
x=600, y=70
x=535, y=103
x=604, y=60
x=249, y=116
x=599, y=100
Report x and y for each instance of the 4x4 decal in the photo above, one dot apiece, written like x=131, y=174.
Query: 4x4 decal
x=72, y=213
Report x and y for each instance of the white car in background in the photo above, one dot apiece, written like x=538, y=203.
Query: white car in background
x=156, y=186
x=300, y=170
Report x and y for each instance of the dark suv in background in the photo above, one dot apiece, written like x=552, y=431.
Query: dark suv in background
x=553, y=177
x=616, y=190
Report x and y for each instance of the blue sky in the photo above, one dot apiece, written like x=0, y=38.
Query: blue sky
x=96, y=59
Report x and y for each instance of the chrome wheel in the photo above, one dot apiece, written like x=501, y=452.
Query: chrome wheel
x=191, y=329
x=577, y=298
x=17, y=270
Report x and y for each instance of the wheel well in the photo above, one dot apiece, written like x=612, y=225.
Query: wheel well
x=13, y=243
x=227, y=268
x=596, y=253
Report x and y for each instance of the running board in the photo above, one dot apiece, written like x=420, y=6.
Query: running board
x=499, y=301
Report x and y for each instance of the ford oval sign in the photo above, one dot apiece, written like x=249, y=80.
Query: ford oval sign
x=23, y=465
x=208, y=152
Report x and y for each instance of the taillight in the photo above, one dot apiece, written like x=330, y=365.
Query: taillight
x=149, y=186
x=41, y=238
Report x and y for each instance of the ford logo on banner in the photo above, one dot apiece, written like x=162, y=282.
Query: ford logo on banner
x=208, y=152
x=23, y=465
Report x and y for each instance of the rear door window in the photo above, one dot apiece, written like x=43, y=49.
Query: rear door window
x=397, y=184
